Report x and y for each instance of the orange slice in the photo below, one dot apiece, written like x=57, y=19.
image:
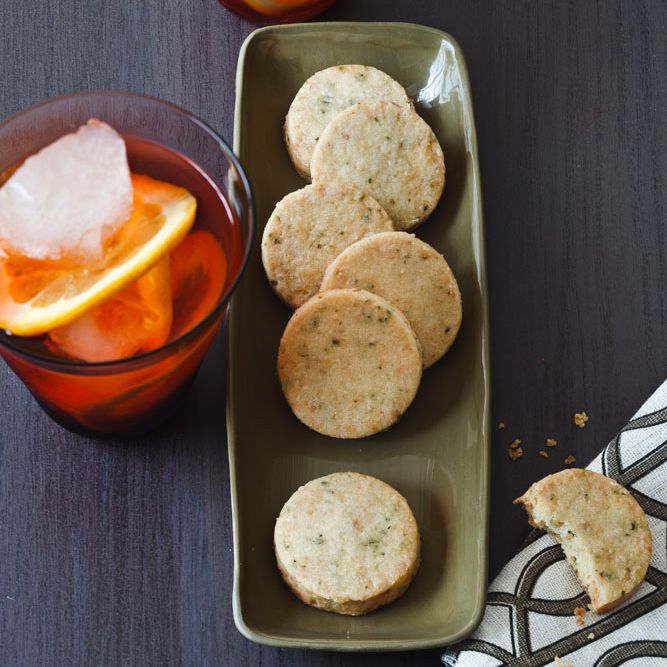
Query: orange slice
x=37, y=296
x=198, y=273
x=136, y=319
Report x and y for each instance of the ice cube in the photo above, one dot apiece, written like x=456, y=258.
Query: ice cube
x=136, y=319
x=67, y=199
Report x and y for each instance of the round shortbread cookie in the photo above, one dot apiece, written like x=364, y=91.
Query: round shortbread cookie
x=310, y=227
x=410, y=274
x=349, y=363
x=347, y=543
x=603, y=531
x=323, y=96
x=387, y=151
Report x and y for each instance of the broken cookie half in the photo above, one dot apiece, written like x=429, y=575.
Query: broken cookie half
x=601, y=527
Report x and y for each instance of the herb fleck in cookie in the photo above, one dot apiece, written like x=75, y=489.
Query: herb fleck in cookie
x=410, y=274
x=307, y=229
x=349, y=363
x=601, y=527
x=347, y=543
x=323, y=96
x=388, y=151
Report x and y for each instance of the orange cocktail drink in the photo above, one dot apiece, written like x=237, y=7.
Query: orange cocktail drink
x=107, y=325
x=278, y=10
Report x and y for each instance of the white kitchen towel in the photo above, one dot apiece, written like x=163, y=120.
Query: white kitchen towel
x=529, y=615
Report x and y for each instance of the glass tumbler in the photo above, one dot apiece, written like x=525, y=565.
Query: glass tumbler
x=133, y=395
x=278, y=11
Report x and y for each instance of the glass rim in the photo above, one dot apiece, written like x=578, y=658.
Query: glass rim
x=73, y=364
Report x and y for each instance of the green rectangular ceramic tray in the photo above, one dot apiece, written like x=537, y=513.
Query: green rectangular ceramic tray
x=437, y=455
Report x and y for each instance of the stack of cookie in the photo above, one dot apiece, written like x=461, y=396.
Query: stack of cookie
x=375, y=305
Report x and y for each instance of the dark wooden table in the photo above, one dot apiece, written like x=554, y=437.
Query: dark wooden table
x=120, y=554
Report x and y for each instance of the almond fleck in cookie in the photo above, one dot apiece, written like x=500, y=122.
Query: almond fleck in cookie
x=601, y=527
x=307, y=229
x=323, y=96
x=410, y=274
x=349, y=363
x=388, y=151
x=347, y=543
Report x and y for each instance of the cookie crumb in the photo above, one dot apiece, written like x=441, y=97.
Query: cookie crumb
x=580, y=419
x=501, y=426
x=543, y=454
x=515, y=451
x=551, y=442
x=569, y=460
x=580, y=615
x=559, y=663
x=590, y=635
